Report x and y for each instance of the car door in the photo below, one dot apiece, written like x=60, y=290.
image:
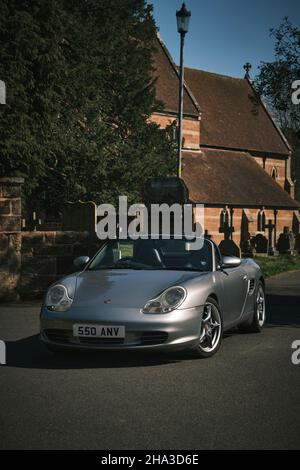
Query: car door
x=234, y=288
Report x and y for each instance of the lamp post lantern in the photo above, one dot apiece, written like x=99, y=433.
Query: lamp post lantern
x=183, y=19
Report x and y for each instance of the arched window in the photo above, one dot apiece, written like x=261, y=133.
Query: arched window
x=224, y=218
x=274, y=173
x=261, y=220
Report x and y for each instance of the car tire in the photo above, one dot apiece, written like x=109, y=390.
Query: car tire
x=211, y=331
x=257, y=321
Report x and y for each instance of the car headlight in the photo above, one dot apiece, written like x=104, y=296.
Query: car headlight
x=58, y=299
x=167, y=301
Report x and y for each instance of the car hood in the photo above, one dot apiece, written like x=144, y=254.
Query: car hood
x=126, y=288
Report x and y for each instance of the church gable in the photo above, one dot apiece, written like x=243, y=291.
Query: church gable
x=167, y=83
x=233, y=115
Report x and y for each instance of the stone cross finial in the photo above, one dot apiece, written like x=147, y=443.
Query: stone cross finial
x=247, y=67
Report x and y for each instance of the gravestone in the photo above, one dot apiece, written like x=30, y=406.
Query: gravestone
x=168, y=190
x=259, y=244
x=227, y=246
x=79, y=216
x=165, y=190
x=270, y=227
x=286, y=242
x=245, y=244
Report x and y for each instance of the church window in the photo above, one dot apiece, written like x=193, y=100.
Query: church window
x=261, y=220
x=224, y=218
x=274, y=173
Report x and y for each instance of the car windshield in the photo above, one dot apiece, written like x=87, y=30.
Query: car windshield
x=153, y=254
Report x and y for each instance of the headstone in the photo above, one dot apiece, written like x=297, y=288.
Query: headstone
x=286, y=242
x=32, y=223
x=259, y=243
x=227, y=246
x=168, y=190
x=245, y=244
x=165, y=190
x=270, y=227
x=79, y=216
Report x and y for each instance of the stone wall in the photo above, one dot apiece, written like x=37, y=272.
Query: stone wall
x=272, y=162
x=10, y=237
x=31, y=261
x=285, y=218
x=47, y=256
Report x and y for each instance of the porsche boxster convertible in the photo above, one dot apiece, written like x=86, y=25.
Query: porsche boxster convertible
x=154, y=294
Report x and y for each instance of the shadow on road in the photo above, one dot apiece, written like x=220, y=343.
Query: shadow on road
x=283, y=310
x=30, y=353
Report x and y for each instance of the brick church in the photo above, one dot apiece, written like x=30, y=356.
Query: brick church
x=236, y=161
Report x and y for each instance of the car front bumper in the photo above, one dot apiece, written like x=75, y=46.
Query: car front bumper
x=177, y=330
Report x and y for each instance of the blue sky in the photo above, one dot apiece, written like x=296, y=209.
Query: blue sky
x=224, y=34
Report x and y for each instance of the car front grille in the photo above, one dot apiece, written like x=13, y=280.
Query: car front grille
x=58, y=335
x=101, y=341
x=147, y=338
x=154, y=337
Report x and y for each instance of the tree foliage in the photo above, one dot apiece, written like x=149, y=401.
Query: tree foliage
x=274, y=82
x=79, y=96
x=275, y=78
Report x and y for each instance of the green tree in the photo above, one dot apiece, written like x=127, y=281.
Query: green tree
x=80, y=94
x=274, y=82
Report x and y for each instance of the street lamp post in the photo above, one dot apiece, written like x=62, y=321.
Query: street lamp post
x=183, y=18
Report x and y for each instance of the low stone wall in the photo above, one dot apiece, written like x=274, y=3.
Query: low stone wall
x=47, y=256
x=10, y=237
x=31, y=261
x=10, y=264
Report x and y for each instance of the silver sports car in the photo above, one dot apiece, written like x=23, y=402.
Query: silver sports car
x=156, y=295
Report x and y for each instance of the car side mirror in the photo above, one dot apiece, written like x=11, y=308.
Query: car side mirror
x=230, y=262
x=81, y=261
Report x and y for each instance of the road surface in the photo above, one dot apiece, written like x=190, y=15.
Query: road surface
x=245, y=397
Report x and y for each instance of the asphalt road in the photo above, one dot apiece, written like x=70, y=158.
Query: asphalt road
x=245, y=397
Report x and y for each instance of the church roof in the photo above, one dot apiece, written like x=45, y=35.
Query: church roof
x=167, y=82
x=224, y=177
x=233, y=116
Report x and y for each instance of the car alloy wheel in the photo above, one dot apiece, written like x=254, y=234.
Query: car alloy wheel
x=260, y=306
x=257, y=321
x=211, y=328
x=211, y=331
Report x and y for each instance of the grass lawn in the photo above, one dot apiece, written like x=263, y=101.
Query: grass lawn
x=277, y=264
